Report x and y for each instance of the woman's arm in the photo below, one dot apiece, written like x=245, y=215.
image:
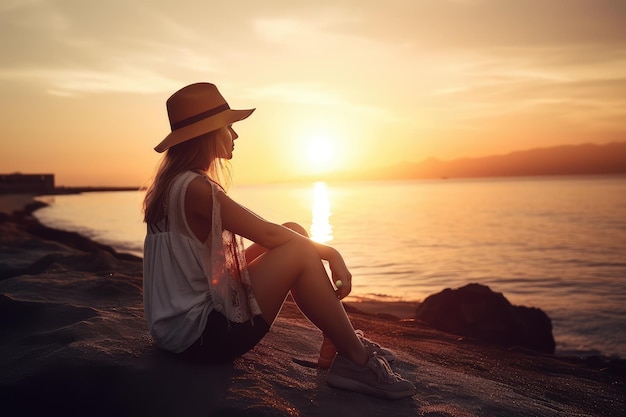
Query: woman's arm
x=239, y=220
x=244, y=222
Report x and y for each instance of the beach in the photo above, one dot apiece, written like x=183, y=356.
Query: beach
x=74, y=342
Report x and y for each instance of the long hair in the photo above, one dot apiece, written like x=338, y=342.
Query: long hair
x=178, y=159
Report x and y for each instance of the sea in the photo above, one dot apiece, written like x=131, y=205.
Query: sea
x=555, y=243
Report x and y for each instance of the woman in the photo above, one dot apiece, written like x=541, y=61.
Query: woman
x=204, y=295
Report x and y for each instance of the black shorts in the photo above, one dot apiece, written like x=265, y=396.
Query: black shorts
x=223, y=341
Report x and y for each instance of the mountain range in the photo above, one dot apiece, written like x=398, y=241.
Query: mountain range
x=587, y=159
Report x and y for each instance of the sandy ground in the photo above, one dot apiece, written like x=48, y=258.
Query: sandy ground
x=74, y=342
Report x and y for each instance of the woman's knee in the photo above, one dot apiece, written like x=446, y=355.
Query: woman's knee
x=296, y=228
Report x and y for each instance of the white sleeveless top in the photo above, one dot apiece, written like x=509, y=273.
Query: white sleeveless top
x=184, y=279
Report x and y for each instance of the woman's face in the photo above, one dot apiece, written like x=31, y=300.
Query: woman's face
x=226, y=142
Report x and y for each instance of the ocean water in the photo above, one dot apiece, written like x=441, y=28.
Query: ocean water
x=556, y=243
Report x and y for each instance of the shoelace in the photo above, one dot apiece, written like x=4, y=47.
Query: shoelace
x=372, y=347
x=366, y=341
x=361, y=336
x=383, y=370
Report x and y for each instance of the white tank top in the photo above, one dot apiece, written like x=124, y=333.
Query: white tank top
x=184, y=279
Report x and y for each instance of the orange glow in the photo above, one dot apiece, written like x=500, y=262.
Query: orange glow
x=338, y=87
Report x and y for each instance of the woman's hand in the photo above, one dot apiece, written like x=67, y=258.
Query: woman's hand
x=341, y=276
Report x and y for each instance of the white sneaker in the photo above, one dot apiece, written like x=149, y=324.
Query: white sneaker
x=374, y=378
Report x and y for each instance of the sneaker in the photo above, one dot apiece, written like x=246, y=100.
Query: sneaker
x=328, y=351
x=373, y=347
x=374, y=378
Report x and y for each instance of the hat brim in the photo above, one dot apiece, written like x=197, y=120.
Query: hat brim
x=202, y=127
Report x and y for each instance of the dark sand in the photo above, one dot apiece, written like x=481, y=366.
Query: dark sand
x=74, y=342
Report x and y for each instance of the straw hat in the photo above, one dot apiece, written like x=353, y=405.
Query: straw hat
x=195, y=110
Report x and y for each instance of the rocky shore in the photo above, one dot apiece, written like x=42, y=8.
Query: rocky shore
x=74, y=342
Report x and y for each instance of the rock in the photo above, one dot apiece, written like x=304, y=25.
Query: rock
x=478, y=312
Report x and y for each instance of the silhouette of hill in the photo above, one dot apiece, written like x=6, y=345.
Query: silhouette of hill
x=587, y=159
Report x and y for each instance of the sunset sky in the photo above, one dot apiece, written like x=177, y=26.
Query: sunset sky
x=337, y=84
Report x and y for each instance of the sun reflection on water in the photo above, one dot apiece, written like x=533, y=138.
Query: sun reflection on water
x=321, y=229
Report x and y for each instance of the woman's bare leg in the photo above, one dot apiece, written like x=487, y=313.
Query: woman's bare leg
x=297, y=267
x=254, y=251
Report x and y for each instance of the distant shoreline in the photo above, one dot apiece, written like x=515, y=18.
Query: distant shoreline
x=67, y=190
x=87, y=189
x=330, y=179
x=19, y=209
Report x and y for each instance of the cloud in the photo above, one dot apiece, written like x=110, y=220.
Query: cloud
x=281, y=31
x=73, y=82
x=456, y=57
x=12, y=5
x=68, y=50
x=297, y=93
x=491, y=23
x=318, y=95
x=120, y=80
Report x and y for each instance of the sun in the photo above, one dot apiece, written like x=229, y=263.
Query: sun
x=320, y=152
